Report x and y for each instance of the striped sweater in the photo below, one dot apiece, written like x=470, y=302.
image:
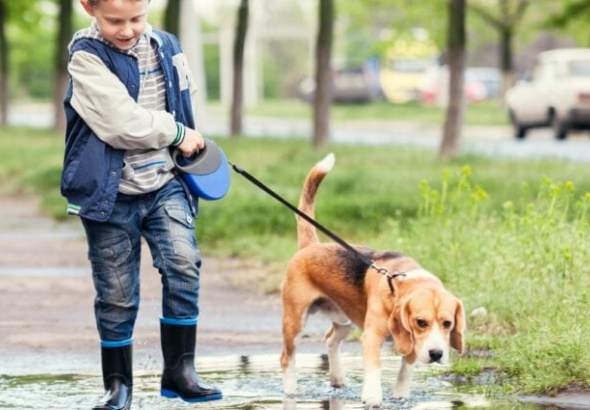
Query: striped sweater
x=146, y=170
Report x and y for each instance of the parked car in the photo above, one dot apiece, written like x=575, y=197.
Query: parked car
x=556, y=94
x=481, y=83
x=350, y=85
x=405, y=65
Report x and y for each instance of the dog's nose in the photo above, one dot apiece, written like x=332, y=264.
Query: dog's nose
x=435, y=355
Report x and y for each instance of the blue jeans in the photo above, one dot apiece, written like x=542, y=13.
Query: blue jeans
x=165, y=220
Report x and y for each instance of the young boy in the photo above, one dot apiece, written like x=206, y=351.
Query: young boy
x=129, y=104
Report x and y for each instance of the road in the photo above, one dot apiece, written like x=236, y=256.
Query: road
x=493, y=141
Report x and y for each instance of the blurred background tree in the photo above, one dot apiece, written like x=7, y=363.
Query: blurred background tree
x=323, y=74
x=64, y=36
x=172, y=17
x=506, y=20
x=19, y=28
x=3, y=63
x=237, y=102
x=456, y=51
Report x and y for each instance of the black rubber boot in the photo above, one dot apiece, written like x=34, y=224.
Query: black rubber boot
x=117, y=376
x=180, y=378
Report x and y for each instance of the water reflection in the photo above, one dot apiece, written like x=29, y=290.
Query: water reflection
x=248, y=383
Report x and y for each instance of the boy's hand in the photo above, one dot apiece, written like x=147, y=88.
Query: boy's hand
x=193, y=142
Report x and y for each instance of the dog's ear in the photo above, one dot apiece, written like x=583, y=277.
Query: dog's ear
x=458, y=332
x=399, y=327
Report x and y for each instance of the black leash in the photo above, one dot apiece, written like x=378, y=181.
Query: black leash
x=369, y=262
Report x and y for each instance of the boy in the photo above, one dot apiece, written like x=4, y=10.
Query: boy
x=128, y=104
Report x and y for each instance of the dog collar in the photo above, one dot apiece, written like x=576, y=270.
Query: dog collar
x=389, y=275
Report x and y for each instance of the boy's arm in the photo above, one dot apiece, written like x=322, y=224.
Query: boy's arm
x=105, y=105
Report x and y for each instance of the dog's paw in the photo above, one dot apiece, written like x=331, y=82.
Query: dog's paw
x=289, y=386
x=400, y=392
x=289, y=390
x=337, y=380
x=372, y=394
x=372, y=402
x=372, y=398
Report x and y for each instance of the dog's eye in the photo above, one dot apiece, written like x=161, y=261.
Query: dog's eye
x=447, y=324
x=423, y=324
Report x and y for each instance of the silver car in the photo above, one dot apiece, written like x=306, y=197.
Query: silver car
x=556, y=94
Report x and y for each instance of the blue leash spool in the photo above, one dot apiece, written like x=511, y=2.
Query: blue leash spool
x=206, y=172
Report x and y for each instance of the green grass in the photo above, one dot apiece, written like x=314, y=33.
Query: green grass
x=30, y=162
x=526, y=263
x=484, y=113
x=510, y=236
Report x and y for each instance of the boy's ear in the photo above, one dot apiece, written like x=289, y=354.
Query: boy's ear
x=87, y=7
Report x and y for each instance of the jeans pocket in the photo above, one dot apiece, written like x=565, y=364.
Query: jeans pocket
x=181, y=215
x=182, y=235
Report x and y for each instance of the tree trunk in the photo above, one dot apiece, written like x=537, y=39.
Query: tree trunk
x=506, y=58
x=172, y=17
x=456, y=41
x=506, y=23
x=64, y=35
x=238, y=75
x=3, y=65
x=323, y=78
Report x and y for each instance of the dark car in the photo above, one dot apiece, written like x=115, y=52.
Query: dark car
x=350, y=85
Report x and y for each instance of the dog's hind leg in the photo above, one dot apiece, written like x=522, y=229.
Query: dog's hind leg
x=294, y=315
x=334, y=337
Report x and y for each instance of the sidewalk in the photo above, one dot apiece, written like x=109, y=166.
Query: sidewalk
x=46, y=308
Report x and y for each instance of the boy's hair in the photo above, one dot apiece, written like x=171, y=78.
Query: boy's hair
x=94, y=3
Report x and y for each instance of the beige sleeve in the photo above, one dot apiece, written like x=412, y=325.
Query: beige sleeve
x=105, y=105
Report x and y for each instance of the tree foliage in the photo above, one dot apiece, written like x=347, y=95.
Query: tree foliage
x=30, y=27
x=372, y=26
x=572, y=17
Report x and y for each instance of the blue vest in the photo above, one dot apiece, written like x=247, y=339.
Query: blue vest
x=92, y=168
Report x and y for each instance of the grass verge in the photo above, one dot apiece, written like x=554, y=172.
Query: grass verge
x=508, y=236
x=490, y=112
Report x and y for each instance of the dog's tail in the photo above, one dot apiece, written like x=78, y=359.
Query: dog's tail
x=306, y=233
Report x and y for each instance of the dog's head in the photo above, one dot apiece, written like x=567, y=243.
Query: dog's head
x=425, y=322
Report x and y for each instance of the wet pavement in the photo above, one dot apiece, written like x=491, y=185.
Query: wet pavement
x=248, y=382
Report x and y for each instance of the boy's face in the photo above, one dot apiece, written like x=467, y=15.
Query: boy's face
x=121, y=22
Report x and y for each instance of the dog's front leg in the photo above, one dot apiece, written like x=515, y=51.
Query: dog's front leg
x=404, y=379
x=372, y=393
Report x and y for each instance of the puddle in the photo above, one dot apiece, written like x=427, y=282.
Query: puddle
x=249, y=383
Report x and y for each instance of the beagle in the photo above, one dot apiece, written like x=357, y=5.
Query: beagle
x=424, y=319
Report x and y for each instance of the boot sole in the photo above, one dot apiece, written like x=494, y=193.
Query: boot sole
x=173, y=395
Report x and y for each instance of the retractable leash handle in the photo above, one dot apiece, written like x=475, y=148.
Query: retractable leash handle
x=206, y=173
